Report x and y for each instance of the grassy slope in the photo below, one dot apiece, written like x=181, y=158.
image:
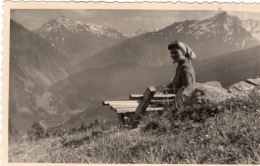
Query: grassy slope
x=228, y=133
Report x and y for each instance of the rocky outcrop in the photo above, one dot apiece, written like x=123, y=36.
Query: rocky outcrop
x=213, y=92
x=255, y=82
x=256, y=93
x=206, y=92
x=241, y=88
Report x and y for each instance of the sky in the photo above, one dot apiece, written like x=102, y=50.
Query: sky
x=125, y=21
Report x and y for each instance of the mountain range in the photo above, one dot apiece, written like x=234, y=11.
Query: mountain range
x=78, y=40
x=208, y=38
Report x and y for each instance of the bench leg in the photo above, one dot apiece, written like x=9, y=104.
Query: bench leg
x=148, y=95
x=127, y=119
x=121, y=119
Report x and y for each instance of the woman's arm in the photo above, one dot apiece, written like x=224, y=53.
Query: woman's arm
x=186, y=77
x=169, y=88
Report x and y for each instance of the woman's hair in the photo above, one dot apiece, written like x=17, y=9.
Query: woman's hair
x=187, y=52
x=174, y=46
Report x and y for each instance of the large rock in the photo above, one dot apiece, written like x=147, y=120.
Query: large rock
x=256, y=91
x=245, y=88
x=241, y=88
x=256, y=94
x=211, y=92
x=255, y=82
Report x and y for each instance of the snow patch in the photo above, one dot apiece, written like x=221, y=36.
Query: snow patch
x=179, y=28
x=78, y=26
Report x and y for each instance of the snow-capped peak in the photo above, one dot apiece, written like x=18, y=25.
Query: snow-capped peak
x=136, y=33
x=79, y=26
x=228, y=26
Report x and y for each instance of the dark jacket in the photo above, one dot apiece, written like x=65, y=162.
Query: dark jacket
x=184, y=75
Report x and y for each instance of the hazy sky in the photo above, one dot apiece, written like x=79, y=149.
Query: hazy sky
x=125, y=21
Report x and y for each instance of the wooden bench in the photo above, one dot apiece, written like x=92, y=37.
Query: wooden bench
x=129, y=111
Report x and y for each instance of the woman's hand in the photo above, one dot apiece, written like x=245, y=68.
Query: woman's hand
x=164, y=88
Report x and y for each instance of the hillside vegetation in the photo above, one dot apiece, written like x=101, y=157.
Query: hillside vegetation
x=227, y=133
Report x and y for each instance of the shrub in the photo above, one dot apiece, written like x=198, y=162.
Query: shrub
x=157, y=121
x=57, y=131
x=36, y=131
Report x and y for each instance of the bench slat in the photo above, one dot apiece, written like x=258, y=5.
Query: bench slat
x=123, y=106
x=125, y=110
x=136, y=97
x=120, y=102
x=156, y=96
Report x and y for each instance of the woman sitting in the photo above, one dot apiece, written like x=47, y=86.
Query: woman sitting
x=185, y=74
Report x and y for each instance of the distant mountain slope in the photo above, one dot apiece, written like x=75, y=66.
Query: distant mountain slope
x=252, y=26
x=78, y=40
x=35, y=56
x=208, y=38
x=34, y=65
x=114, y=81
x=231, y=67
x=136, y=33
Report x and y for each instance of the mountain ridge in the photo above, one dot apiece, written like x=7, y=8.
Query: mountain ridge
x=208, y=38
x=77, y=40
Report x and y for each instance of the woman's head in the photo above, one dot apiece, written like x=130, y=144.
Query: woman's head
x=180, y=51
x=177, y=55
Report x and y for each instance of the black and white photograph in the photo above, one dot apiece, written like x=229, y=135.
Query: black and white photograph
x=133, y=86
